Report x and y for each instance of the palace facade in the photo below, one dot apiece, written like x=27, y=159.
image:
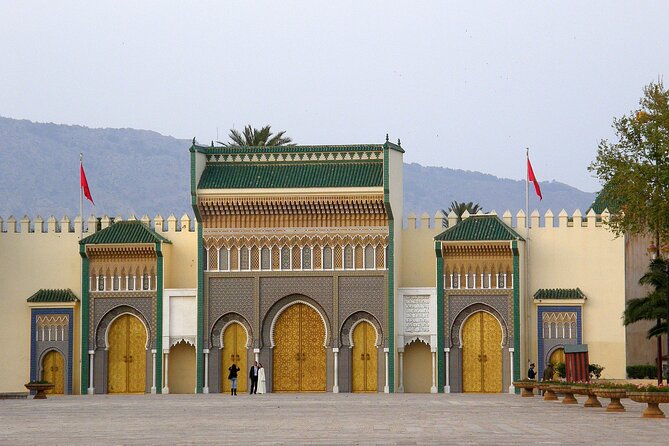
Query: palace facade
x=299, y=258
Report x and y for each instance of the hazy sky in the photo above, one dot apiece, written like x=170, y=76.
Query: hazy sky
x=466, y=85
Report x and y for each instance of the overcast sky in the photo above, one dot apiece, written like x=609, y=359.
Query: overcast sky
x=466, y=85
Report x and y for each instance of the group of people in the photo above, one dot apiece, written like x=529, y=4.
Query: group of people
x=256, y=375
x=548, y=374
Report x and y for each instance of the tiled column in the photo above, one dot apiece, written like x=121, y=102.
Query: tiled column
x=433, y=353
x=205, y=389
x=153, y=371
x=386, y=388
x=512, y=389
x=335, y=387
x=91, y=356
x=447, y=387
x=166, y=389
x=400, y=387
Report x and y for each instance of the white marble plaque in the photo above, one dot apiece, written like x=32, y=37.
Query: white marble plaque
x=416, y=314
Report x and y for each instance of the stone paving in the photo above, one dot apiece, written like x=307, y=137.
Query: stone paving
x=402, y=419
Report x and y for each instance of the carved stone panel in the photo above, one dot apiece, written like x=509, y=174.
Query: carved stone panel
x=416, y=314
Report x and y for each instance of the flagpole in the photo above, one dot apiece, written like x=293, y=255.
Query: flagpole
x=527, y=255
x=81, y=198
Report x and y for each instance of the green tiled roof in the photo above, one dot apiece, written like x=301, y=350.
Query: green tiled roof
x=124, y=232
x=53, y=296
x=479, y=227
x=292, y=175
x=559, y=293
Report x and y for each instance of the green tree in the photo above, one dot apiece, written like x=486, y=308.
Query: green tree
x=459, y=208
x=634, y=171
x=254, y=137
x=653, y=306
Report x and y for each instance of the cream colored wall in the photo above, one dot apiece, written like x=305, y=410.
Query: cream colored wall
x=29, y=262
x=589, y=258
x=181, y=255
x=419, y=262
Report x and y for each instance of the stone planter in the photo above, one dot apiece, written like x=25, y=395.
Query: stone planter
x=652, y=399
x=549, y=393
x=40, y=389
x=592, y=400
x=614, y=395
x=567, y=392
x=526, y=386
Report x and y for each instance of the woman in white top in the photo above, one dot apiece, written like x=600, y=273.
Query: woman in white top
x=261, y=379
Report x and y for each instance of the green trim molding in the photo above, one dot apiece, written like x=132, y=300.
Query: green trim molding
x=441, y=370
x=391, y=271
x=84, y=319
x=516, y=311
x=159, y=320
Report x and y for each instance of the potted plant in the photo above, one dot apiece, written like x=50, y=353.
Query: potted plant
x=615, y=392
x=549, y=390
x=653, y=396
x=583, y=388
x=40, y=387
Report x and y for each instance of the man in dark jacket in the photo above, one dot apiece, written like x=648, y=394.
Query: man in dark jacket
x=548, y=372
x=253, y=375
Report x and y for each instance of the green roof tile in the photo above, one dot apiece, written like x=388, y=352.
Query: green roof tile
x=124, y=232
x=53, y=296
x=559, y=293
x=292, y=175
x=479, y=228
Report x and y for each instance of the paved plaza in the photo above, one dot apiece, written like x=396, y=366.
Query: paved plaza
x=402, y=419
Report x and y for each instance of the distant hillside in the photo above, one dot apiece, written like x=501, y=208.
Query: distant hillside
x=434, y=188
x=142, y=172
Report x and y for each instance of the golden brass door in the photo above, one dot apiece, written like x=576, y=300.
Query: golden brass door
x=53, y=370
x=481, y=354
x=556, y=357
x=126, y=370
x=234, y=351
x=299, y=354
x=364, y=359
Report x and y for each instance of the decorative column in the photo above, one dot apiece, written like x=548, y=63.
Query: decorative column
x=205, y=389
x=166, y=388
x=400, y=352
x=447, y=387
x=386, y=388
x=512, y=389
x=433, y=353
x=153, y=375
x=335, y=387
x=256, y=354
x=91, y=356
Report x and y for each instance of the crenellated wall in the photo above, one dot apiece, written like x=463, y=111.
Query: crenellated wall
x=36, y=254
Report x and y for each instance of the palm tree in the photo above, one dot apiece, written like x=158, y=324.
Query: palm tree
x=254, y=137
x=459, y=208
x=652, y=307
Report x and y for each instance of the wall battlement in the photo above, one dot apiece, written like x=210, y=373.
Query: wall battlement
x=67, y=225
x=590, y=220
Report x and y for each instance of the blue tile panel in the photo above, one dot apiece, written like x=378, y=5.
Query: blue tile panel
x=555, y=309
x=34, y=367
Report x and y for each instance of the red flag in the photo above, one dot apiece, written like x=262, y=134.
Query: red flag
x=532, y=178
x=84, y=183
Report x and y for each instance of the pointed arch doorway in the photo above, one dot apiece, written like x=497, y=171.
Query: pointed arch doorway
x=53, y=366
x=126, y=370
x=298, y=363
x=364, y=358
x=481, y=353
x=234, y=352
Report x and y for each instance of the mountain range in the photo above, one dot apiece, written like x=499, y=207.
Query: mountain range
x=143, y=172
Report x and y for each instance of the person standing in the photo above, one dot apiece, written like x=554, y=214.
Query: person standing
x=232, y=376
x=261, y=379
x=531, y=374
x=253, y=375
x=548, y=373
